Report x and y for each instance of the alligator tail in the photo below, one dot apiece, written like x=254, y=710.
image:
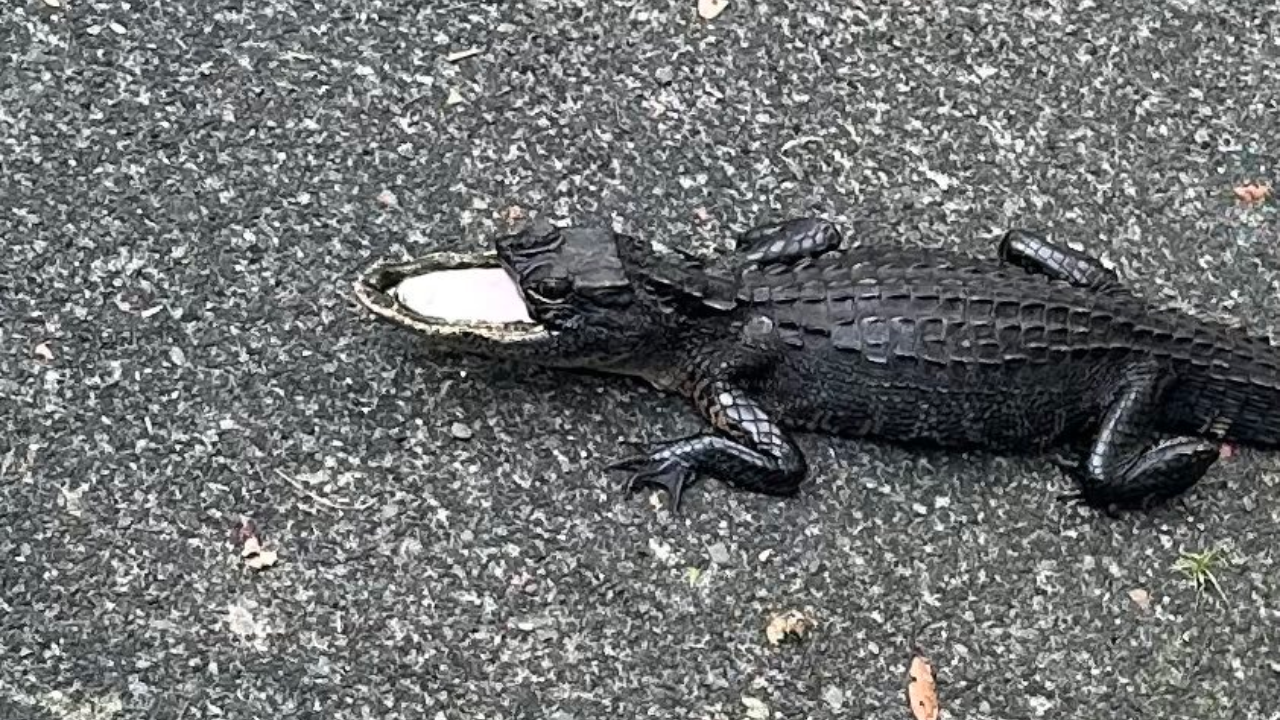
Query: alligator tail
x=1235, y=399
x=1256, y=420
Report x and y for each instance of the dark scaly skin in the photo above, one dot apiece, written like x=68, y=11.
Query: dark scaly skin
x=1039, y=346
x=1029, y=251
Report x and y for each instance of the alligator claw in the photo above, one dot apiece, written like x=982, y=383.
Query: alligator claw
x=1079, y=499
x=671, y=475
x=1072, y=498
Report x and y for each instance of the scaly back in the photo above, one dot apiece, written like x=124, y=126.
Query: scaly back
x=941, y=307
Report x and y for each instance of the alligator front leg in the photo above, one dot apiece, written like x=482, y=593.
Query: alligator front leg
x=1038, y=255
x=1122, y=468
x=755, y=456
x=787, y=241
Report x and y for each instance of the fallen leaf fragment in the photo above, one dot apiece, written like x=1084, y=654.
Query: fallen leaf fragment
x=513, y=214
x=462, y=54
x=255, y=556
x=710, y=9
x=43, y=352
x=73, y=500
x=251, y=551
x=756, y=709
x=922, y=693
x=1253, y=193
x=245, y=530
x=789, y=624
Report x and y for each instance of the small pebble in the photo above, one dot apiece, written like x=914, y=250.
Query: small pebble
x=834, y=697
x=461, y=431
x=719, y=554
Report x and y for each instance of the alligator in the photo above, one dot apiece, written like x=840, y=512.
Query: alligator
x=1039, y=347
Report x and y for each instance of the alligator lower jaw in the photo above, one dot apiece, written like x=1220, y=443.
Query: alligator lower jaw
x=467, y=296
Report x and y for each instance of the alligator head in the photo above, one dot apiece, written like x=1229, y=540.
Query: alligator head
x=583, y=297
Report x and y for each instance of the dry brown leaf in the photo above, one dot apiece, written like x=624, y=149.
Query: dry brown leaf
x=710, y=9
x=513, y=214
x=255, y=556
x=791, y=623
x=264, y=559
x=245, y=530
x=1253, y=192
x=43, y=352
x=251, y=547
x=251, y=550
x=922, y=693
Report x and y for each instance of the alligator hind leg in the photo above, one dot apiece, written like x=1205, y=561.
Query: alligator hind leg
x=787, y=241
x=1038, y=255
x=1122, y=468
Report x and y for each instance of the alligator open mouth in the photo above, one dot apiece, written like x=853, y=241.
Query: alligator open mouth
x=450, y=294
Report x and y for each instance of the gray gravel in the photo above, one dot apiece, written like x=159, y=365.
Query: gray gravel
x=186, y=190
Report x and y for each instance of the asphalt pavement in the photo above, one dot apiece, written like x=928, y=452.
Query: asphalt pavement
x=188, y=189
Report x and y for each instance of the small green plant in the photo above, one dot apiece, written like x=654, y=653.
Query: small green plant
x=1199, y=567
x=693, y=575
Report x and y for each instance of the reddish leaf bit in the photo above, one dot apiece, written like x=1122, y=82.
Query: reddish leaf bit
x=244, y=531
x=1253, y=193
x=513, y=214
x=251, y=550
x=922, y=693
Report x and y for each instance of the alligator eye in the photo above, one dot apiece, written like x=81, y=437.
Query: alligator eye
x=552, y=289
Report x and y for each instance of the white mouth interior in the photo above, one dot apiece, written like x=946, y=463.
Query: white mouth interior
x=464, y=295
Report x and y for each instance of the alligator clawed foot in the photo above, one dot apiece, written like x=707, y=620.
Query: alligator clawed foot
x=1078, y=499
x=669, y=474
x=1074, y=499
